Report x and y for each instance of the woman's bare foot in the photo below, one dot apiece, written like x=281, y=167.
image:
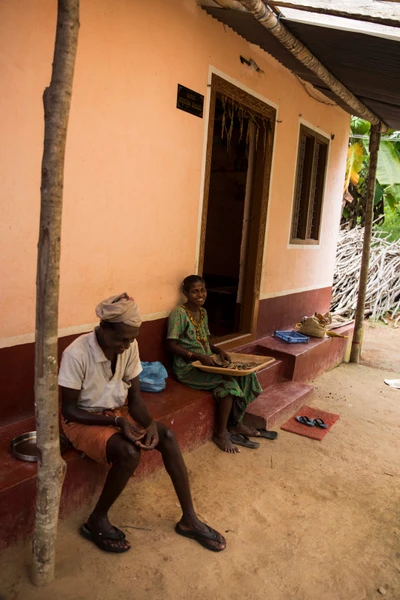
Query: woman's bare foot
x=224, y=443
x=244, y=429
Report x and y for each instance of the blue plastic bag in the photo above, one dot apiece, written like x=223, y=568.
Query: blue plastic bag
x=153, y=376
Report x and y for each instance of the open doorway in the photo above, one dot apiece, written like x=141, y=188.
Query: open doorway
x=238, y=167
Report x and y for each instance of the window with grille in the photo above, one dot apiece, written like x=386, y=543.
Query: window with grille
x=309, y=190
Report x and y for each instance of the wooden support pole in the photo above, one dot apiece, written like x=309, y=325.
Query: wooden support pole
x=370, y=12
x=272, y=23
x=374, y=140
x=51, y=467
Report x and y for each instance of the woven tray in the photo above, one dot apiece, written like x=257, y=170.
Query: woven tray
x=259, y=363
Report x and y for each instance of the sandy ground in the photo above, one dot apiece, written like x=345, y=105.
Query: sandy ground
x=304, y=520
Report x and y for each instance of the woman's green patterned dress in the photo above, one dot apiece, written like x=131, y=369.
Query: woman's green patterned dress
x=194, y=336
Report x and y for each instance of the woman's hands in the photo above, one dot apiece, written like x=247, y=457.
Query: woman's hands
x=207, y=361
x=224, y=355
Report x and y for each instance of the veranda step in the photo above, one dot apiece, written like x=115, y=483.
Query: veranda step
x=271, y=374
x=304, y=362
x=278, y=403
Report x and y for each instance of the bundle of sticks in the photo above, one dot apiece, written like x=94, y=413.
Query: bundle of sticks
x=383, y=290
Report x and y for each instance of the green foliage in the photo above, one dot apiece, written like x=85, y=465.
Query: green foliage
x=392, y=195
x=359, y=126
x=388, y=169
x=391, y=224
x=379, y=192
x=387, y=193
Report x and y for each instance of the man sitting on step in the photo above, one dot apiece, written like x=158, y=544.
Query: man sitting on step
x=105, y=417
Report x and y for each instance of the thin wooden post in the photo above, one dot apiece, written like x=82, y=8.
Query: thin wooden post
x=374, y=140
x=51, y=467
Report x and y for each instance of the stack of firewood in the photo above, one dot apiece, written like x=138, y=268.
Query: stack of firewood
x=383, y=290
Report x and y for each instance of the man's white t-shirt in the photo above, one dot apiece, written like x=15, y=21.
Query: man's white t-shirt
x=84, y=367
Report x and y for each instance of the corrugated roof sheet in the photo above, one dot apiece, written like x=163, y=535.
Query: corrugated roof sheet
x=367, y=65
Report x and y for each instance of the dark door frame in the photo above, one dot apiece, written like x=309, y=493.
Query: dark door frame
x=260, y=198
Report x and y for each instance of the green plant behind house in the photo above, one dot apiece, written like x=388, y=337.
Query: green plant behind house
x=387, y=194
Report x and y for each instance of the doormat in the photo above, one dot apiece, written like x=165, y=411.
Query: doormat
x=316, y=433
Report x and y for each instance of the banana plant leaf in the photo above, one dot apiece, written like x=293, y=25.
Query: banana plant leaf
x=388, y=170
x=355, y=157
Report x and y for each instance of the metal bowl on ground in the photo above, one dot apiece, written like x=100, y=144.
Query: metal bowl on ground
x=24, y=446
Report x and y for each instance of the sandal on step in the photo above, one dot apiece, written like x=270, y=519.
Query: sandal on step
x=268, y=435
x=203, y=536
x=240, y=439
x=305, y=421
x=320, y=423
x=104, y=540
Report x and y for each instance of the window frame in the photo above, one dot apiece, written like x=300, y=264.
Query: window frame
x=321, y=140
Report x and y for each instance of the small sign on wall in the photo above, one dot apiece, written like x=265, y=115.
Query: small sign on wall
x=190, y=101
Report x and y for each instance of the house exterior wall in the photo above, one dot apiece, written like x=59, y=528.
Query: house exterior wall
x=134, y=163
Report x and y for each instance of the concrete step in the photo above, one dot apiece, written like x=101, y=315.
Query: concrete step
x=304, y=362
x=18, y=484
x=278, y=403
x=271, y=374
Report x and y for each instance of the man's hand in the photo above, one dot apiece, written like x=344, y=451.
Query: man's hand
x=206, y=360
x=224, y=355
x=151, y=439
x=129, y=430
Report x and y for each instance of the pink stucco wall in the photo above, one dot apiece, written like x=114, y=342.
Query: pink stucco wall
x=134, y=162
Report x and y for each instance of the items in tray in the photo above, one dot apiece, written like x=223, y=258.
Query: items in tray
x=225, y=364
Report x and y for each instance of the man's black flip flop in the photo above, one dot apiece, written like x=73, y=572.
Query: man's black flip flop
x=268, y=435
x=203, y=536
x=240, y=439
x=117, y=535
x=305, y=421
x=100, y=539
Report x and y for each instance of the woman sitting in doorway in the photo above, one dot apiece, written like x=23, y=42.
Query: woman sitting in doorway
x=188, y=340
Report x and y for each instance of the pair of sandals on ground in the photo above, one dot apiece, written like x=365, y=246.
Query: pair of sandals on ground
x=311, y=422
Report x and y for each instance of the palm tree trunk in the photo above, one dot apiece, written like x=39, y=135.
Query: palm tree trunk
x=374, y=140
x=51, y=467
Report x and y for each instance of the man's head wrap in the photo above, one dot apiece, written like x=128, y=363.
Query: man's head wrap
x=119, y=309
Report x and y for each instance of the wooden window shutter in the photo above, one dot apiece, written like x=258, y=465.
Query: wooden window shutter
x=309, y=187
